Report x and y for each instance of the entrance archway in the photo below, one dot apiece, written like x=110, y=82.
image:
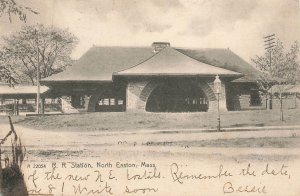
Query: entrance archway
x=177, y=97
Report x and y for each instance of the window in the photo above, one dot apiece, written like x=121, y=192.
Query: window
x=105, y=101
x=194, y=101
x=187, y=100
x=120, y=102
x=255, y=99
x=112, y=101
x=109, y=101
x=201, y=101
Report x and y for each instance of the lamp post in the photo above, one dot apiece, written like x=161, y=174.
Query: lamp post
x=217, y=88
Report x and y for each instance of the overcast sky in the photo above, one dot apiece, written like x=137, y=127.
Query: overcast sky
x=236, y=24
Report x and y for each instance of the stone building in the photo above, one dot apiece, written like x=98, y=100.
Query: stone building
x=159, y=78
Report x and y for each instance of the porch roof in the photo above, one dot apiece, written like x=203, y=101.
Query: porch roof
x=170, y=62
x=21, y=90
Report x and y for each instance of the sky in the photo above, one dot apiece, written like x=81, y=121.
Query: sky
x=239, y=25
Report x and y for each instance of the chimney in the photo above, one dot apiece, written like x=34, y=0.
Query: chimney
x=158, y=46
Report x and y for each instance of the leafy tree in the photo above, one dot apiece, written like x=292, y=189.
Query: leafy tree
x=279, y=67
x=11, y=7
x=48, y=47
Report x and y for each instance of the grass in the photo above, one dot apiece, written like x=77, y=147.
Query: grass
x=142, y=121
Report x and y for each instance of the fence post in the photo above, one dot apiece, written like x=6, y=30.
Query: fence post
x=43, y=106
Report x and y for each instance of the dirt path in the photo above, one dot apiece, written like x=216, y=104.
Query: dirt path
x=47, y=147
x=45, y=144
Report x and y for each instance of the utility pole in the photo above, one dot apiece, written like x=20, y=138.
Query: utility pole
x=38, y=95
x=269, y=44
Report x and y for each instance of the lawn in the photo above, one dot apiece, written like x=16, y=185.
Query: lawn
x=146, y=121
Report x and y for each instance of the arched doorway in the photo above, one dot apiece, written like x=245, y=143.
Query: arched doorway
x=108, y=100
x=177, y=97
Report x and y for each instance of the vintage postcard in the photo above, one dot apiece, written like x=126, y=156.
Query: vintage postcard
x=153, y=97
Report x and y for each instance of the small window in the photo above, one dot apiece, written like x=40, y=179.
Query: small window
x=105, y=101
x=194, y=101
x=187, y=100
x=120, y=102
x=112, y=101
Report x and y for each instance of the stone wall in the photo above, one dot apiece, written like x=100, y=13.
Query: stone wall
x=138, y=92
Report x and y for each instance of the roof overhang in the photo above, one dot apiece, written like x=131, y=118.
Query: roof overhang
x=178, y=75
x=75, y=81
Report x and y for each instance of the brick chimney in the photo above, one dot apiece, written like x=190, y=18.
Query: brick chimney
x=158, y=46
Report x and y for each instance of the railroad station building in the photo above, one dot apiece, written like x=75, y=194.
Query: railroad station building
x=158, y=78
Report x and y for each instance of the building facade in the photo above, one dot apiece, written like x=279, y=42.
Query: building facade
x=159, y=78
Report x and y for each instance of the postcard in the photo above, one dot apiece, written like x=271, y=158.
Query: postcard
x=156, y=97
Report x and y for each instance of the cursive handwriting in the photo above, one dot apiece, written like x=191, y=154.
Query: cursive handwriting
x=283, y=171
x=141, y=190
x=248, y=171
x=179, y=176
x=229, y=188
x=52, y=175
x=147, y=175
x=77, y=177
x=86, y=191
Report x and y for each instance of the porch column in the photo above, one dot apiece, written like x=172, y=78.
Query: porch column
x=43, y=106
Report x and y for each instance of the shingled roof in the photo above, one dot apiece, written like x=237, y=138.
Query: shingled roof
x=99, y=63
x=20, y=91
x=169, y=62
x=226, y=59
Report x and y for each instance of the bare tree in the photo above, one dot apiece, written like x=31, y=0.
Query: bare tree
x=33, y=46
x=7, y=75
x=11, y=7
x=278, y=67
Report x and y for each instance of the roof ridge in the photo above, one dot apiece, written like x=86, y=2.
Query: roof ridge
x=196, y=48
x=141, y=61
x=116, y=46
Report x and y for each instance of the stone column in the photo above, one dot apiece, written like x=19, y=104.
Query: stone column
x=135, y=102
x=213, y=103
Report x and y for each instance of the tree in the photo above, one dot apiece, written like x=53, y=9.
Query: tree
x=7, y=75
x=279, y=67
x=48, y=47
x=10, y=7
